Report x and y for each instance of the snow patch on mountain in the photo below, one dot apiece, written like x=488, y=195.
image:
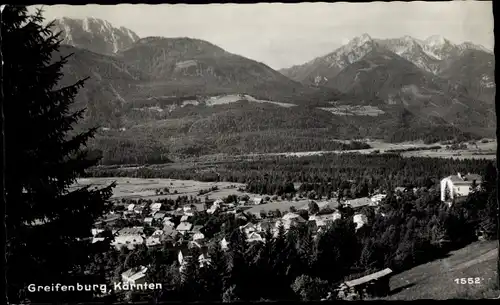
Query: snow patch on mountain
x=95, y=35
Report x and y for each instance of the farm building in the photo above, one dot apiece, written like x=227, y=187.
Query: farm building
x=372, y=285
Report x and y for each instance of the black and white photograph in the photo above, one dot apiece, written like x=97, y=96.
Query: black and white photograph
x=252, y=152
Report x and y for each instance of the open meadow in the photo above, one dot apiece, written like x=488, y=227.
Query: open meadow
x=436, y=279
x=408, y=149
x=136, y=188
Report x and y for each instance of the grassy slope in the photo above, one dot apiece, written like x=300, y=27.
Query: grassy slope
x=435, y=280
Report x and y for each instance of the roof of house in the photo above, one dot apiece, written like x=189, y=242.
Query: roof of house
x=197, y=228
x=159, y=215
x=294, y=216
x=135, y=273
x=97, y=239
x=131, y=231
x=254, y=235
x=153, y=240
x=266, y=224
x=148, y=219
x=184, y=226
x=359, y=202
x=156, y=205
x=184, y=218
x=158, y=232
x=368, y=278
x=168, y=230
x=465, y=179
x=198, y=235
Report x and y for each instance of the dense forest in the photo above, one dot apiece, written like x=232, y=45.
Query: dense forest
x=121, y=150
x=150, y=134
x=354, y=175
x=409, y=229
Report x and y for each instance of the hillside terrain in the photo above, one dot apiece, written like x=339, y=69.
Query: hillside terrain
x=186, y=96
x=436, y=280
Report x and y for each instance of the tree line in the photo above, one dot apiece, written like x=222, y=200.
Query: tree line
x=351, y=175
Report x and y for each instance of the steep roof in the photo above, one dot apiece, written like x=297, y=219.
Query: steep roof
x=359, y=202
x=135, y=273
x=465, y=179
x=131, y=231
x=368, y=278
x=184, y=226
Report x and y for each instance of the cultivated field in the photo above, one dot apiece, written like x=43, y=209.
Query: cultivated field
x=482, y=151
x=436, y=280
x=135, y=188
x=233, y=98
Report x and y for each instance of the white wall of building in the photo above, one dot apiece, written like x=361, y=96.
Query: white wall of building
x=455, y=190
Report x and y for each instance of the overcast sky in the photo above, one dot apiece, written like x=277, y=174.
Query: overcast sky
x=282, y=35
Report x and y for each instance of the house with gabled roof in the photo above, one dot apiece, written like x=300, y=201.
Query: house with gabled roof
x=456, y=186
x=184, y=227
x=155, y=207
x=135, y=275
x=159, y=216
x=358, y=203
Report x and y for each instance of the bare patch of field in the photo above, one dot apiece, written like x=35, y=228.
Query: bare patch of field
x=436, y=280
x=354, y=110
x=224, y=99
x=482, y=151
x=135, y=188
x=252, y=99
x=233, y=98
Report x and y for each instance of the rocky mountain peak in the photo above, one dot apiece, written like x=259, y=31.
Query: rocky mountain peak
x=94, y=34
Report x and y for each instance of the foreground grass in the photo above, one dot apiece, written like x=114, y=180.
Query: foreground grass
x=436, y=280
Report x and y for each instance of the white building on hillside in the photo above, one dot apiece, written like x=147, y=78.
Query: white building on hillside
x=458, y=185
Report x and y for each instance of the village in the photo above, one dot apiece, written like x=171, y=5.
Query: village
x=135, y=222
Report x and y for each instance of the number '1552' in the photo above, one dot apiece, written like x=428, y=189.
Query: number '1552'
x=468, y=280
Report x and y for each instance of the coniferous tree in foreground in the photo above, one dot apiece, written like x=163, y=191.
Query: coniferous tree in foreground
x=47, y=221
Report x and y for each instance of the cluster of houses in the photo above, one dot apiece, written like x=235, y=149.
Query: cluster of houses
x=185, y=235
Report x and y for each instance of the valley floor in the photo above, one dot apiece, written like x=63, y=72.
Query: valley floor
x=482, y=151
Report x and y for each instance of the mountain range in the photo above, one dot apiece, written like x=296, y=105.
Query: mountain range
x=196, y=98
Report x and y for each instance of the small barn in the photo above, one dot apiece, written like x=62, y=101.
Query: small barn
x=372, y=285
